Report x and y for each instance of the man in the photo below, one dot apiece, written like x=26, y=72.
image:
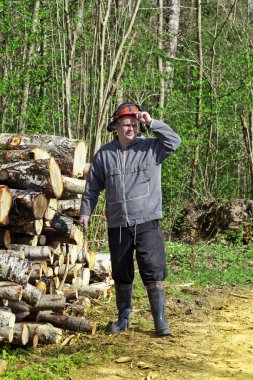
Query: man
x=129, y=169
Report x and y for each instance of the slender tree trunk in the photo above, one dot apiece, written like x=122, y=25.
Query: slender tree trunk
x=71, y=47
x=247, y=126
x=112, y=82
x=160, y=61
x=24, y=102
x=195, y=164
x=172, y=28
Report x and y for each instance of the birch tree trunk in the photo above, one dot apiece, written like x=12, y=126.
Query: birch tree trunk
x=26, y=86
x=195, y=164
x=247, y=126
x=71, y=47
x=172, y=28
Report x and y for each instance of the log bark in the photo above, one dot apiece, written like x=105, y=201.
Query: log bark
x=28, y=204
x=40, y=175
x=21, y=315
x=5, y=203
x=54, y=302
x=71, y=159
x=72, y=270
x=69, y=207
x=21, y=225
x=93, y=290
x=72, y=186
x=7, y=318
x=15, y=269
x=68, y=322
x=21, y=306
x=69, y=153
x=47, y=333
x=18, y=254
x=20, y=334
x=10, y=291
x=37, y=253
x=102, y=268
x=32, y=295
x=63, y=232
x=32, y=153
x=23, y=239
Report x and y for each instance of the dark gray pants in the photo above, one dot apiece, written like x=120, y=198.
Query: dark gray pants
x=147, y=239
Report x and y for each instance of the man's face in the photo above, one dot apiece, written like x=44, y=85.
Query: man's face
x=127, y=129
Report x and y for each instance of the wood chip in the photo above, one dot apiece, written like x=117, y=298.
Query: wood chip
x=124, y=359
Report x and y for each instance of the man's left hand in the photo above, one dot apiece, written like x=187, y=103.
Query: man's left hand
x=144, y=117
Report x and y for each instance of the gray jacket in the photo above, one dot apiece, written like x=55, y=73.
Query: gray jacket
x=131, y=177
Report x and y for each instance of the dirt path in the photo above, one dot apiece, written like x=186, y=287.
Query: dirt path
x=212, y=339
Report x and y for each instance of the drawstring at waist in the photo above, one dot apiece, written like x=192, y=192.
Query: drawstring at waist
x=135, y=234
x=119, y=234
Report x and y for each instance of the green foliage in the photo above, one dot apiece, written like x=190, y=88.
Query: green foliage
x=223, y=168
x=49, y=362
x=213, y=264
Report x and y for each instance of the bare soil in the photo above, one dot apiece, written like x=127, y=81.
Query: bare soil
x=212, y=339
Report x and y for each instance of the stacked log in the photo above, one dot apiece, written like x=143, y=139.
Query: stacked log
x=45, y=264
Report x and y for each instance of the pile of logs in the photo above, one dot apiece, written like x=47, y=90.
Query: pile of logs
x=45, y=263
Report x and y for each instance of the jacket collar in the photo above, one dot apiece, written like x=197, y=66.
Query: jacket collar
x=135, y=141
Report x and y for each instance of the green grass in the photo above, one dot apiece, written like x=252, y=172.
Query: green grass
x=212, y=265
x=52, y=362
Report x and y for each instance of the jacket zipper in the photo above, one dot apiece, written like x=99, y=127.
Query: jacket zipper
x=123, y=182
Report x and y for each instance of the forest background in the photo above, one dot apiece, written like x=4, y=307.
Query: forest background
x=66, y=65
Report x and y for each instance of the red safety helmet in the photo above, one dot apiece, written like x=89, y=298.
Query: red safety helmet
x=126, y=109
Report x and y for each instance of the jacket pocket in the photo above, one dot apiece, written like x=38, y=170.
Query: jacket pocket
x=113, y=185
x=137, y=182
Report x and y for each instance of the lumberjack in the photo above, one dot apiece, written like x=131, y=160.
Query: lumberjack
x=129, y=169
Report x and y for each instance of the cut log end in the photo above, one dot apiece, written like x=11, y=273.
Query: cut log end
x=51, y=209
x=40, y=206
x=79, y=159
x=5, y=203
x=14, y=142
x=40, y=154
x=5, y=238
x=56, y=178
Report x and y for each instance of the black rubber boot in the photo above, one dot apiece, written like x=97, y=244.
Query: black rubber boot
x=156, y=300
x=123, y=294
